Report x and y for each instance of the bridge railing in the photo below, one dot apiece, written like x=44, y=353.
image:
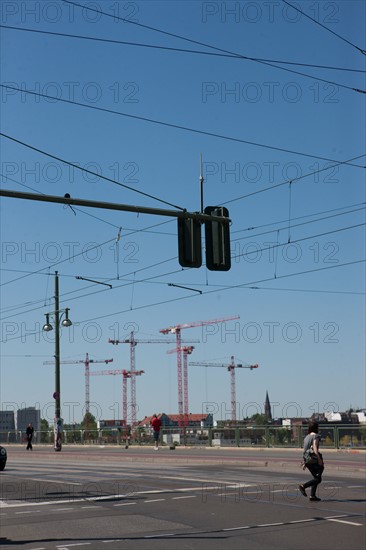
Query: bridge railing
x=333, y=437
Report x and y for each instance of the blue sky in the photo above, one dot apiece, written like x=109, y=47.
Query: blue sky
x=301, y=245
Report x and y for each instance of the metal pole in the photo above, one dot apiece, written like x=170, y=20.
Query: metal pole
x=58, y=422
x=111, y=206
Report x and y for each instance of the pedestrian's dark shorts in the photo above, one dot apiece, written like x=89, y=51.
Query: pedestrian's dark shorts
x=156, y=435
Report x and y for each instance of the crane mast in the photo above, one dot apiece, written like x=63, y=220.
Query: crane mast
x=231, y=367
x=177, y=331
x=133, y=343
x=126, y=374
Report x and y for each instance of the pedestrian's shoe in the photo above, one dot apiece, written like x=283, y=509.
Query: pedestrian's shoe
x=315, y=499
x=302, y=490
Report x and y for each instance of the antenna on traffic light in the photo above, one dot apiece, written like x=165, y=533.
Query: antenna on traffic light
x=201, y=184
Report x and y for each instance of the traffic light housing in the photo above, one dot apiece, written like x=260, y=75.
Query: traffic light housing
x=189, y=242
x=217, y=235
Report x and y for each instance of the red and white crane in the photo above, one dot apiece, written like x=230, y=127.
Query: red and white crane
x=177, y=331
x=125, y=374
x=231, y=367
x=186, y=350
x=133, y=343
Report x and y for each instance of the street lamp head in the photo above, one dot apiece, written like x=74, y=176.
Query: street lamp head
x=66, y=322
x=47, y=326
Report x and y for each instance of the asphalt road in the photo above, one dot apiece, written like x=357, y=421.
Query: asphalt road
x=116, y=498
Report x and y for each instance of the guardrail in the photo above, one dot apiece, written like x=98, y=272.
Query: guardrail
x=333, y=437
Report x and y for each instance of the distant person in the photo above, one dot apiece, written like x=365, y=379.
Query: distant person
x=156, y=425
x=316, y=469
x=29, y=433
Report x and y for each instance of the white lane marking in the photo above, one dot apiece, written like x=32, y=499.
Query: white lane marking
x=355, y=486
x=29, y=512
x=237, y=528
x=347, y=522
x=66, y=546
x=165, y=535
x=108, y=497
x=90, y=507
x=187, y=496
x=302, y=520
x=124, y=504
x=53, y=481
x=155, y=500
x=243, y=527
x=270, y=524
x=62, y=509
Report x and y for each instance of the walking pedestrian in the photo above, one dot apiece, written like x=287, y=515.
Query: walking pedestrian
x=316, y=467
x=156, y=425
x=29, y=433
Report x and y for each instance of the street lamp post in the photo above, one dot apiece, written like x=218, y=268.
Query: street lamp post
x=57, y=393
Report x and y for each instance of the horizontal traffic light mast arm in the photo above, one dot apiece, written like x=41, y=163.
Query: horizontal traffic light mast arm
x=112, y=206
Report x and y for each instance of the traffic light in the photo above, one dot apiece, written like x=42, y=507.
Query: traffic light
x=217, y=235
x=189, y=242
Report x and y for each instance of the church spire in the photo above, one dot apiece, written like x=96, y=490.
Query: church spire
x=267, y=408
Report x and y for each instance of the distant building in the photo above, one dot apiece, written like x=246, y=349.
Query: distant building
x=111, y=424
x=7, y=424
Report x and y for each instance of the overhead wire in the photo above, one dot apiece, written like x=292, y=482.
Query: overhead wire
x=180, y=37
x=295, y=179
x=361, y=204
x=128, y=229
x=325, y=27
x=110, y=279
x=58, y=263
x=298, y=224
x=189, y=296
x=149, y=279
x=147, y=229
x=28, y=146
x=232, y=287
x=181, y=50
x=160, y=123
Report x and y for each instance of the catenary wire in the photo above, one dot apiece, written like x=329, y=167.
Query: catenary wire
x=298, y=224
x=325, y=27
x=170, y=259
x=361, y=204
x=213, y=291
x=213, y=47
x=181, y=50
x=110, y=279
x=147, y=280
x=59, y=262
x=294, y=180
x=77, y=209
x=160, y=123
x=88, y=171
x=147, y=230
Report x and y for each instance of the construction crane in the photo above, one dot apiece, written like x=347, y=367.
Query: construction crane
x=177, y=331
x=86, y=362
x=186, y=350
x=231, y=368
x=133, y=343
x=125, y=374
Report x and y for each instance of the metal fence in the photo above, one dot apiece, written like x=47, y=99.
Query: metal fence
x=333, y=437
